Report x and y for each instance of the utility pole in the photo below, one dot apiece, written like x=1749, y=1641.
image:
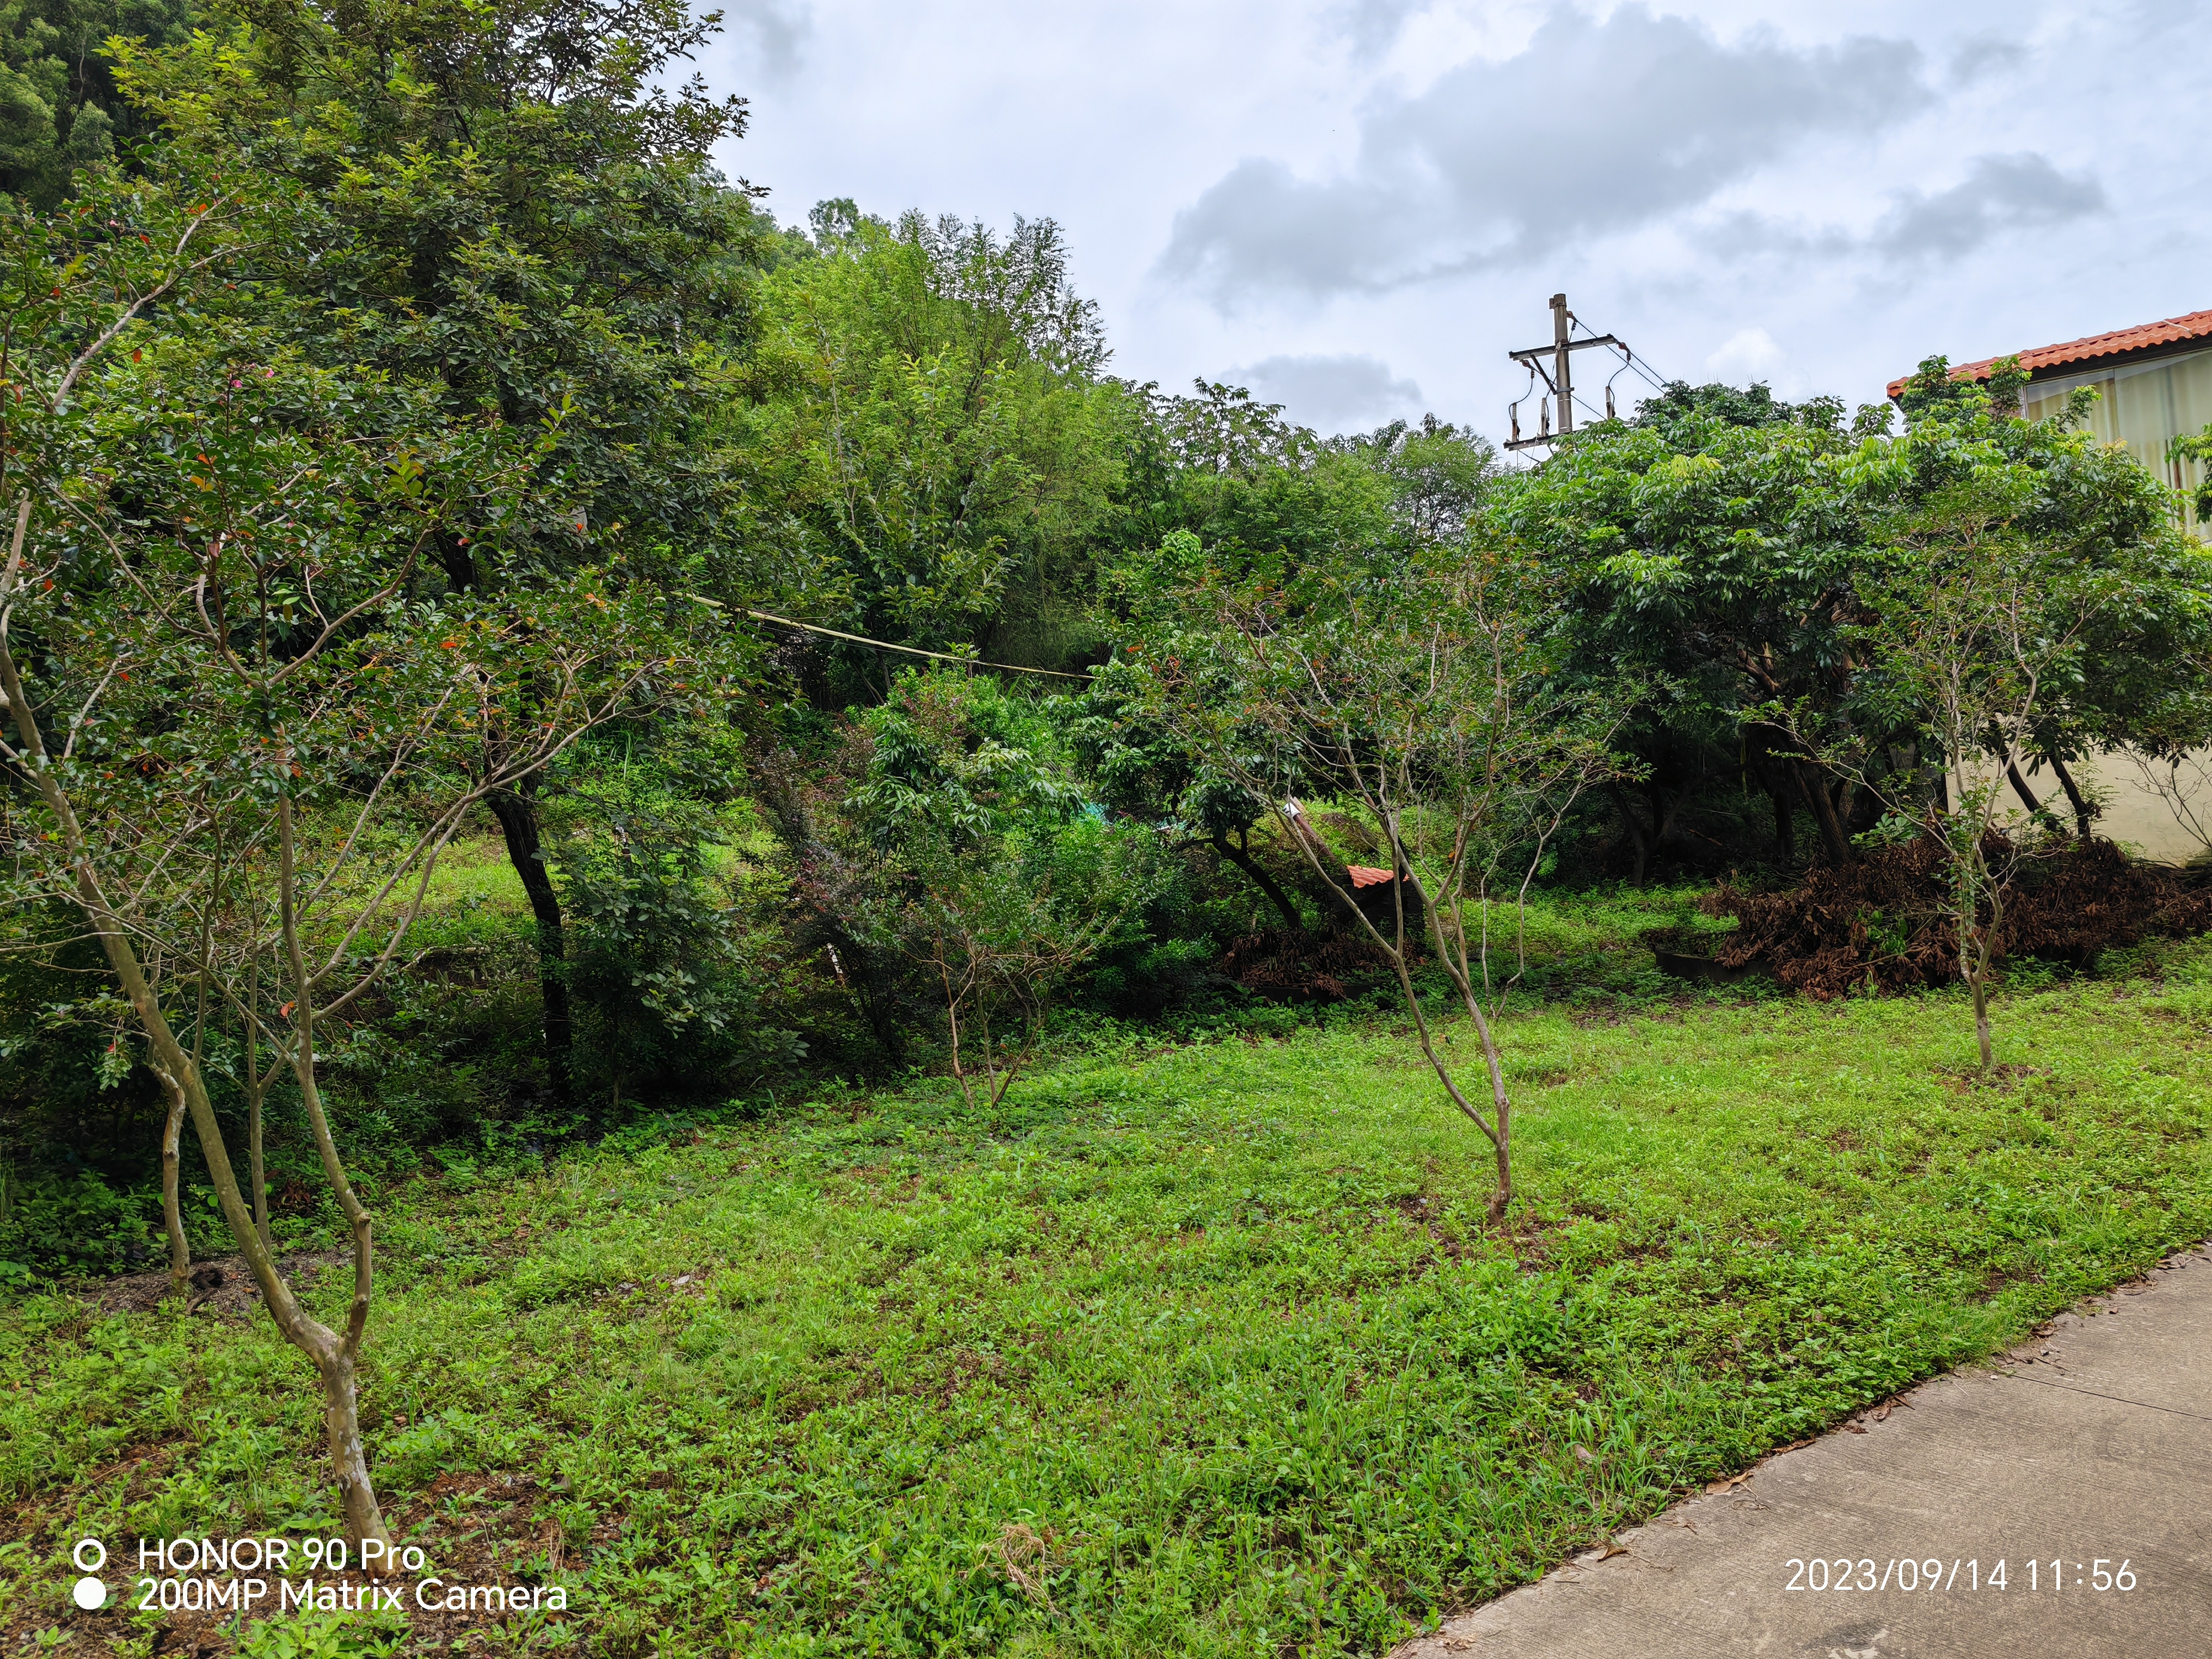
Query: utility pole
x=1563, y=363
x=1559, y=377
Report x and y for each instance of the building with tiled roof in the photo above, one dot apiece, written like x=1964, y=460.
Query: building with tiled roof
x=2154, y=384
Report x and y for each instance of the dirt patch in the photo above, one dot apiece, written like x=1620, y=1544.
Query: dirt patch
x=1884, y=923
x=221, y=1284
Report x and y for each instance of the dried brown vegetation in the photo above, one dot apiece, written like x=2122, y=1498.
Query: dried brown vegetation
x=1301, y=967
x=1885, y=922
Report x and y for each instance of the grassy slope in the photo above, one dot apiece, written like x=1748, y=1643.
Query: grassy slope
x=1215, y=1323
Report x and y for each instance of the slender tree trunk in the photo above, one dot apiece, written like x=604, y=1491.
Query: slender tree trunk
x=322, y=1347
x=2075, y=798
x=341, y=1413
x=173, y=1220
x=364, y=1521
x=1499, y=1134
x=959, y=1073
x=256, y=1167
x=1242, y=859
x=1979, y=981
x=518, y=822
x=256, y=1089
x=2019, y=788
x=364, y=1518
x=1501, y=1108
x=1785, y=826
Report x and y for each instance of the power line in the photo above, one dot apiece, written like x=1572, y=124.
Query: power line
x=1628, y=360
x=885, y=645
x=1630, y=363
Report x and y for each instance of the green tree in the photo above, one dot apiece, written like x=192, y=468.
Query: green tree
x=517, y=213
x=60, y=108
x=247, y=720
x=1717, y=558
x=992, y=879
x=1143, y=767
x=927, y=434
x=1973, y=624
x=1716, y=547
x=1427, y=692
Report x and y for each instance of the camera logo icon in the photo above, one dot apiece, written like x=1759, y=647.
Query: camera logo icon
x=90, y=1556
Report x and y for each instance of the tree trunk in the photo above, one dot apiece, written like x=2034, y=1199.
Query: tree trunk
x=2082, y=814
x=518, y=822
x=1501, y=1109
x=2019, y=788
x=1833, y=841
x=1785, y=826
x=331, y=1357
x=256, y=1167
x=1242, y=859
x=334, y=1361
x=257, y=1090
x=173, y=1220
x=1633, y=827
x=1980, y=984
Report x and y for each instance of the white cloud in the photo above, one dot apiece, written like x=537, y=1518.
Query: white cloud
x=1332, y=393
x=1751, y=354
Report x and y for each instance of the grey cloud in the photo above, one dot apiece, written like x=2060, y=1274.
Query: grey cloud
x=1371, y=27
x=775, y=31
x=1595, y=127
x=2001, y=193
x=1332, y=392
x=1745, y=235
x=1984, y=56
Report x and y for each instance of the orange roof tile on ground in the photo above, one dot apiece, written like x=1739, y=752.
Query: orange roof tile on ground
x=2192, y=325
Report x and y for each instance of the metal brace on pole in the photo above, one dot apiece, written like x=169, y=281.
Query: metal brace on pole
x=1558, y=375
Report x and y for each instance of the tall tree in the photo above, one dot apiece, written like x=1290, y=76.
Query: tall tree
x=245, y=725
x=60, y=108
x=518, y=213
x=1719, y=545
x=1425, y=691
x=927, y=433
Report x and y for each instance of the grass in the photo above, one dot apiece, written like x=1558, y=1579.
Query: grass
x=1198, y=1350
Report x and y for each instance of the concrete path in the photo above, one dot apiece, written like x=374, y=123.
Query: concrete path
x=2089, y=1447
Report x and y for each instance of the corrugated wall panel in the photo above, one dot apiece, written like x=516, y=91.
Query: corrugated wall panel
x=2144, y=408
x=2160, y=810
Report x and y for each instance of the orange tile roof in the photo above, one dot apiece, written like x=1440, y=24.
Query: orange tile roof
x=2194, y=326
x=1364, y=875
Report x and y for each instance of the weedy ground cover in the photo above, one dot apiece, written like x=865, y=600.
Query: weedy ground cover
x=1195, y=1349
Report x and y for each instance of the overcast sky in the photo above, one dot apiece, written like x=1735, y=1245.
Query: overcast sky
x=1359, y=207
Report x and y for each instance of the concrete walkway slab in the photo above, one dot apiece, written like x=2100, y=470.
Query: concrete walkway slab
x=2085, y=1456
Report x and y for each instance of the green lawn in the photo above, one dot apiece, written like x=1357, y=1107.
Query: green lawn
x=1215, y=1325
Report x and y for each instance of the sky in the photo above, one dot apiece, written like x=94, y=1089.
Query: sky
x=1358, y=208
